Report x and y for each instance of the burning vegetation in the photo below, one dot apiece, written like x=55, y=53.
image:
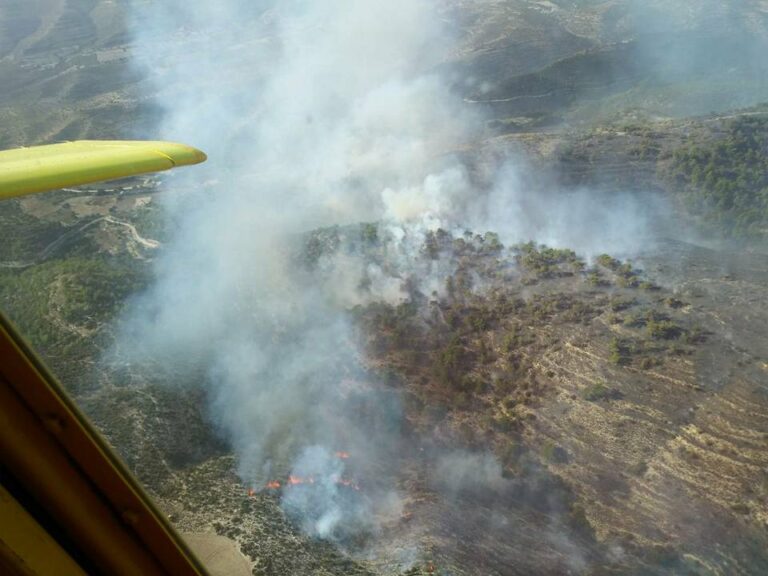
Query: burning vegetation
x=529, y=410
x=301, y=481
x=293, y=480
x=478, y=352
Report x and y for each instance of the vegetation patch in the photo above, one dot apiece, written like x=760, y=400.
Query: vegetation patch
x=724, y=181
x=545, y=262
x=599, y=391
x=619, y=352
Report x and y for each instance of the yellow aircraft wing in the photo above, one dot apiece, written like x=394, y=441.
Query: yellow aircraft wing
x=68, y=505
x=40, y=168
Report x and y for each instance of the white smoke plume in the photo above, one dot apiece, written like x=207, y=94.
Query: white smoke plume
x=313, y=113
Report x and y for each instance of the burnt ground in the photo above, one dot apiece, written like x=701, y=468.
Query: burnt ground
x=603, y=420
x=648, y=445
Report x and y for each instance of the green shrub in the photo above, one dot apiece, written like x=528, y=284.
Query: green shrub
x=553, y=453
x=595, y=279
x=608, y=262
x=662, y=329
x=599, y=391
x=619, y=352
x=618, y=304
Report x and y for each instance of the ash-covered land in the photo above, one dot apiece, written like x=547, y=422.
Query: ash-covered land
x=465, y=288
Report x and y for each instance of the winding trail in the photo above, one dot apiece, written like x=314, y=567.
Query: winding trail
x=51, y=248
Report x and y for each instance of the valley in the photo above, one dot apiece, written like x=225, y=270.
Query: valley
x=539, y=407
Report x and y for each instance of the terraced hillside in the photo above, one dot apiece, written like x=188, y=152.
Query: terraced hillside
x=630, y=395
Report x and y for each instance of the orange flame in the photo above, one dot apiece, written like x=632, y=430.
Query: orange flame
x=251, y=492
x=348, y=483
x=341, y=454
x=298, y=481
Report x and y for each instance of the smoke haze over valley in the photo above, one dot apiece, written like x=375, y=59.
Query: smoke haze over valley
x=318, y=114
x=325, y=114
x=465, y=287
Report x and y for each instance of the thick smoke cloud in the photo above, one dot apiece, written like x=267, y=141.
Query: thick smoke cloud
x=312, y=114
x=587, y=220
